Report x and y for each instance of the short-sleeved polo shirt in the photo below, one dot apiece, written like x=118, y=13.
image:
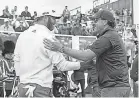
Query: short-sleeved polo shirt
x=111, y=61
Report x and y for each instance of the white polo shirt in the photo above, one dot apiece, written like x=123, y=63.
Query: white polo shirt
x=34, y=63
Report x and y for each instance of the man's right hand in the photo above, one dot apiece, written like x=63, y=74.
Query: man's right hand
x=86, y=65
x=96, y=92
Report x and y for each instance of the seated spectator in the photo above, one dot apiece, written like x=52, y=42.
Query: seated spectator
x=34, y=16
x=13, y=16
x=21, y=28
x=4, y=15
x=84, y=30
x=76, y=30
x=63, y=29
x=26, y=13
x=16, y=23
x=6, y=26
x=69, y=27
x=15, y=11
x=7, y=53
x=6, y=11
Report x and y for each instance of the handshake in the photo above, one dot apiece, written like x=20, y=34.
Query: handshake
x=86, y=65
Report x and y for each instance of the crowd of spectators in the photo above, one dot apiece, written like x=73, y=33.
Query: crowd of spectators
x=80, y=24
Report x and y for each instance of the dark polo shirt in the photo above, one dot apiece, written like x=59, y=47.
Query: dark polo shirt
x=111, y=61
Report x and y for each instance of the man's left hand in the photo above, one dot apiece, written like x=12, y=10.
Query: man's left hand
x=52, y=45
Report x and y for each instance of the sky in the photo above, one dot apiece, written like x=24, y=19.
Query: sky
x=58, y=5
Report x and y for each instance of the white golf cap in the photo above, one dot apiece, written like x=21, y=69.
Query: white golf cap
x=50, y=12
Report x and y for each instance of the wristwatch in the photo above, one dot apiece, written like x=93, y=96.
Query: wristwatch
x=61, y=49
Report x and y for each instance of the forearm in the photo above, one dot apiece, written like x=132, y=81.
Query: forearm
x=83, y=55
x=68, y=66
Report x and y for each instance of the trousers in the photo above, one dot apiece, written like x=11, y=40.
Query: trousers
x=33, y=90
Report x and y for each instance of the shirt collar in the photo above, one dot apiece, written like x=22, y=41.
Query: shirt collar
x=104, y=31
x=39, y=27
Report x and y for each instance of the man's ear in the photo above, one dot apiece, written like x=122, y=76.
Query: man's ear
x=105, y=22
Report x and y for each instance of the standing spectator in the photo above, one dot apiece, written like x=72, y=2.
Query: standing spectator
x=26, y=13
x=6, y=26
x=34, y=16
x=66, y=14
x=21, y=28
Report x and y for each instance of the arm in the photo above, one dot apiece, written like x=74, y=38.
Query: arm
x=83, y=55
x=93, y=77
x=97, y=48
x=17, y=57
x=60, y=62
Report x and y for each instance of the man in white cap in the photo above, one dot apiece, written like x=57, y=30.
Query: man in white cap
x=33, y=63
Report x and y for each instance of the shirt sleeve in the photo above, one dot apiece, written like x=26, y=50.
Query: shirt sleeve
x=61, y=63
x=1, y=44
x=17, y=56
x=100, y=46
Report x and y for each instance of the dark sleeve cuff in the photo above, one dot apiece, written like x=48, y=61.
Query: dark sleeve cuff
x=86, y=65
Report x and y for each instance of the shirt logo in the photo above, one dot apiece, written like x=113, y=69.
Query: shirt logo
x=34, y=31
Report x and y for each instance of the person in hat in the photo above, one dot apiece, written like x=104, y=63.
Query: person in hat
x=7, y=61
x=33, y=63
x=110, y=53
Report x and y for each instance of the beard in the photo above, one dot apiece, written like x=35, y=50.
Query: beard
x=49, y=24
